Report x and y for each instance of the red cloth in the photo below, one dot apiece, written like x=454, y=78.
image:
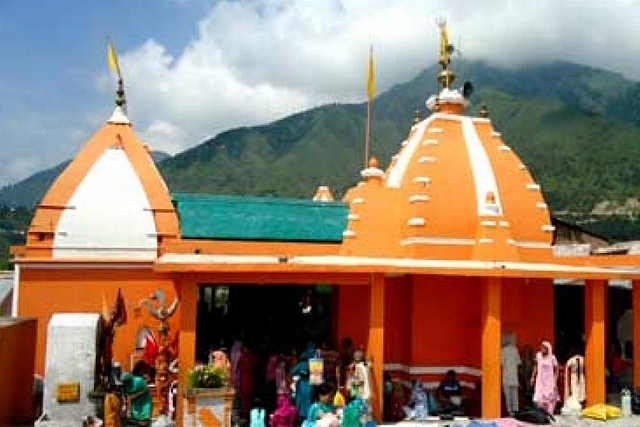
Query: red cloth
x=150, y=351
x=246, y=371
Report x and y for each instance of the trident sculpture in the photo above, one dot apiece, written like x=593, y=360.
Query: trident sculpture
x=157, y=307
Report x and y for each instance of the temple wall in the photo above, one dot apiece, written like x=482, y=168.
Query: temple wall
x=44, y=292
x=398, y=326
x=353, y=313
x=433, y=323
x=528, y=311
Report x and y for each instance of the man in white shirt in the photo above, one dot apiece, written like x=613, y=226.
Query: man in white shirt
x=510, y=380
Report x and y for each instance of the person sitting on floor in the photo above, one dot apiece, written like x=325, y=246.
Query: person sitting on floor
x=419, y=405
x=450, y=394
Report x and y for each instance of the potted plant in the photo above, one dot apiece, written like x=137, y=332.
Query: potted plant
x=208, y=395
x=208, y=376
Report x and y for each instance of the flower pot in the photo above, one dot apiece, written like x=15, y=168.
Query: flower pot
x=208, y=407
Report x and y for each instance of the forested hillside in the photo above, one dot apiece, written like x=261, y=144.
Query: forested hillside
x=576, y=127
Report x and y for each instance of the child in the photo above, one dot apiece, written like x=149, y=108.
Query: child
x=357, y=413
x=112, y=407
x=257, y=414
x=322, y=411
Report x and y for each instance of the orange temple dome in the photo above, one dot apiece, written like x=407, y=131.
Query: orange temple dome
x=455, y=190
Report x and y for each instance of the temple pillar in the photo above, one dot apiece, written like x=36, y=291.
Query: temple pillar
x=635, y=295
x=188, y=293
x=491, y=345
x=595, y=293
x=375, y=348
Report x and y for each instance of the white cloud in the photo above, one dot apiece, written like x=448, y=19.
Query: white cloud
x=253, y=61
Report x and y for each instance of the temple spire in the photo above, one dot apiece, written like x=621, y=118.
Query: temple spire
x=446, y=75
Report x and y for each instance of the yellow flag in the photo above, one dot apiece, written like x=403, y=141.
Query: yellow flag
x=112, y=59
x=371, y=76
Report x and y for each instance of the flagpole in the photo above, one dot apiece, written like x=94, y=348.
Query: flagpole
x=367, y=137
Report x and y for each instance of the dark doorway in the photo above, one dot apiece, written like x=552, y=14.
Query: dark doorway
x=283, y=317
x=569, y=320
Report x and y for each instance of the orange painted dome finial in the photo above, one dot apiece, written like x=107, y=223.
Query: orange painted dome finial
x=372, y=171
x=323, y=194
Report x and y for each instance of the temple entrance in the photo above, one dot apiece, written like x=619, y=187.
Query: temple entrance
x=569, y=320
x=267, y=317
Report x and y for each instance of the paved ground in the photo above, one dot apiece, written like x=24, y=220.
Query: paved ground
x=633, y=421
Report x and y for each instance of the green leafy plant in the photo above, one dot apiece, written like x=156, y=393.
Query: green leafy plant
x=208, y=376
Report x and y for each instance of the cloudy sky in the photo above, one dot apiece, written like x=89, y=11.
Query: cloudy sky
x=193, y=68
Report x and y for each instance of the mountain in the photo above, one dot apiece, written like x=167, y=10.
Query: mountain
x=558, y=117
x=576, y=127
x=28, y=192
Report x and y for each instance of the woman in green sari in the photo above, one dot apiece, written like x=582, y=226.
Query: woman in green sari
x=137, y=391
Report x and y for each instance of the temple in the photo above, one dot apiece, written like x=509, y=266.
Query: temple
x=426, y=262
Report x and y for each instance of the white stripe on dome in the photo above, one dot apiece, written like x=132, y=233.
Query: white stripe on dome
x=112, y=216
x=437, y=241
x=397, y=172
x=483, y=176
x=427, y=159
x=530, y=244
x=418, y=198
x=422, y=180
x=416, y=222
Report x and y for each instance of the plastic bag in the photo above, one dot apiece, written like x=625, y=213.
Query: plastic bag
x=601, y=412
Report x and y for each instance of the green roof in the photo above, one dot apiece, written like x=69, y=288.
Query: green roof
x=259, y=218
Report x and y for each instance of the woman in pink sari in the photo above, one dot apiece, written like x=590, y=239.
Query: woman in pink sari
x=545, y=378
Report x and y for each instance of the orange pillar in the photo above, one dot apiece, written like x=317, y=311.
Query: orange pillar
x=375, y=348
x=595, y=300
x=491, y=342
x=635, y=295
x=188, y=294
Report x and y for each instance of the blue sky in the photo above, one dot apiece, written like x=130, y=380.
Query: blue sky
x=194, y=68
x=51, y=55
